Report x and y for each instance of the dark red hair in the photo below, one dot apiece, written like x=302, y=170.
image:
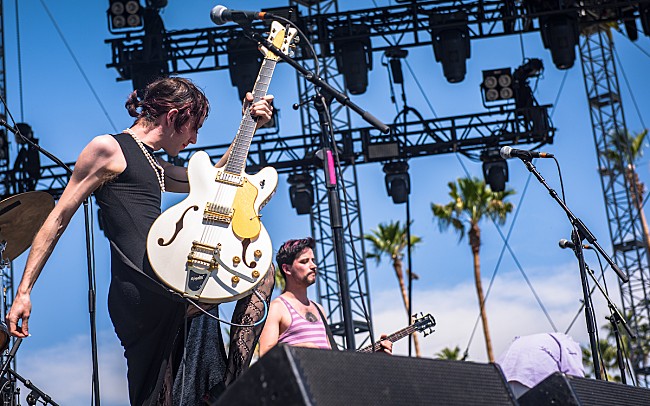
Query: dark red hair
x=165, y=94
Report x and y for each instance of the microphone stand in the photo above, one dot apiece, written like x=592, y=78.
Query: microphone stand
x=325, y=94
x=35, y=393
x=581, y=232
x=615, y=318
x=89, y=256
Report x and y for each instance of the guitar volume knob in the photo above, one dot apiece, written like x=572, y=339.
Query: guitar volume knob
x=257, y=253
x=236, y=260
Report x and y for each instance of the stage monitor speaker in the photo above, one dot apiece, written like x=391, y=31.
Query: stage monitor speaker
x=565, y=390
x=302, y=376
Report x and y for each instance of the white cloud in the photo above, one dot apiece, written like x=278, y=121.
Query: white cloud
x=512, y=310
x=64, y=371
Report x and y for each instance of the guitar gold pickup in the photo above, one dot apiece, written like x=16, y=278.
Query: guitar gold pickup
x=229, y=178
x=217, y=213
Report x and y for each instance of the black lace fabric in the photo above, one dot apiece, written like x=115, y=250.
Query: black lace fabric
x=204, y=367
x=243, y=340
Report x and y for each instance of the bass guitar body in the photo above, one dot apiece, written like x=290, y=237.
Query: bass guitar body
x=212, y=246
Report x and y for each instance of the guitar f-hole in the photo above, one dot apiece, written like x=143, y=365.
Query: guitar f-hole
x=244, y=244
x=179, y=227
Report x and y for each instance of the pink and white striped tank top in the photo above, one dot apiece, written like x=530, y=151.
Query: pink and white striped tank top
x=301, y=331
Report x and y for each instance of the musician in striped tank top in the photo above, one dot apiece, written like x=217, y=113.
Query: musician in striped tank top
x=294, y=319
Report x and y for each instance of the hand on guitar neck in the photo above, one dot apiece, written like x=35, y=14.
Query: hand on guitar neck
x=385, y=345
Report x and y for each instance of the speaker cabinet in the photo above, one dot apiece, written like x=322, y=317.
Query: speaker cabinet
x=301, y=376
x=565, y=390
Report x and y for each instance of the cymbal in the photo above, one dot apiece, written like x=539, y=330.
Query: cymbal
x=20, y=218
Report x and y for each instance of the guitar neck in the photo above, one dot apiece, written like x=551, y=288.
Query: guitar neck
x=237, y=160
x=396, y=336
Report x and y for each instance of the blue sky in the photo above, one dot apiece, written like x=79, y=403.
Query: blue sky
x=60, y=106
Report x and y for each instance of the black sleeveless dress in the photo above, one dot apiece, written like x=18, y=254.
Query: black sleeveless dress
x=145, y=315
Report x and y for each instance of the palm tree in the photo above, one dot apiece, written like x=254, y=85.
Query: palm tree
x=471, y=201
x=280, y=283
x=621, y=142
x=449, y=353
x=390, y=240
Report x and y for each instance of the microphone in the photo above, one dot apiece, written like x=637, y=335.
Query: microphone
x=568, y=244
x=221, y=15
x=508, y=152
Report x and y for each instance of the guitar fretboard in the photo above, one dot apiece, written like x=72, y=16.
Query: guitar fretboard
x=398, y=335
x=237, y=160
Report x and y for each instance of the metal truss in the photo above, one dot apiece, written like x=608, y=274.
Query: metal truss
x=328, y=285
x=619, y=189
x=461, y=134
x=404, y=25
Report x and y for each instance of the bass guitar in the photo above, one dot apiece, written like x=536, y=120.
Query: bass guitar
x=212, y=246
x=423, y=324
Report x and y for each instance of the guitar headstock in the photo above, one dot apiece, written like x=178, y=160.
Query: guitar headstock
x=282, y=39
x=424, y=324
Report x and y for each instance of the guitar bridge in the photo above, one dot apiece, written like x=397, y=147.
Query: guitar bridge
x=215, y=213
x=200, y=265
x=229, y=178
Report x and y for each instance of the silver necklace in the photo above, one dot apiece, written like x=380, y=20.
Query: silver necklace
x=157, y=168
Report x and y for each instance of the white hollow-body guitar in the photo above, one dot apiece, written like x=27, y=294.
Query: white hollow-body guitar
x=212, y=246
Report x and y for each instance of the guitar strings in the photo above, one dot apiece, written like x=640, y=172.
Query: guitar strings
x=225, y=194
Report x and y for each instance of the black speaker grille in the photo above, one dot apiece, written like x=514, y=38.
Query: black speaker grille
x=337, y=378
x=563, y=390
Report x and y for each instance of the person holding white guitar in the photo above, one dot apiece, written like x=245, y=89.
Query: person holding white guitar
x=294, y=319
x=127, y=180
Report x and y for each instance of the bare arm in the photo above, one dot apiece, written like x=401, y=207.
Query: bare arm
x=101, y=158
x=271, y=332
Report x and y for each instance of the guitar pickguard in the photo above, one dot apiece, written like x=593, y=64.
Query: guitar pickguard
x=246, y=223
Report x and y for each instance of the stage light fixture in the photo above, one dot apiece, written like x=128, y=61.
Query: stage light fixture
x=398, y=182
x=244, y=61
x=451, y=45
x=124, y=15
x=395, y=56
x=644, y=16
x=497, y=85
x=26, y=130
x=560, y=35
x=301, y=192
x=157, y=4
x=629, y=22
x=353, y=51
x=495, y=170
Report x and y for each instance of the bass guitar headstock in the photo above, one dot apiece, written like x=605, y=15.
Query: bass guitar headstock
x=424, y=323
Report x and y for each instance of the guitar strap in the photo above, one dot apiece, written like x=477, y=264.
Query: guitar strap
x=330, y=337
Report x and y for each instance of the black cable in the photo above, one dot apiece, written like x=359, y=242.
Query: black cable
x=304, y=38
x=559, y=172
x=507, y=246
x=424, y=94
x=76, y=61
x=629, y=88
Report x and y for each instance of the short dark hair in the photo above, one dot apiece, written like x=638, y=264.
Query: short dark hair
x=291, y=249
